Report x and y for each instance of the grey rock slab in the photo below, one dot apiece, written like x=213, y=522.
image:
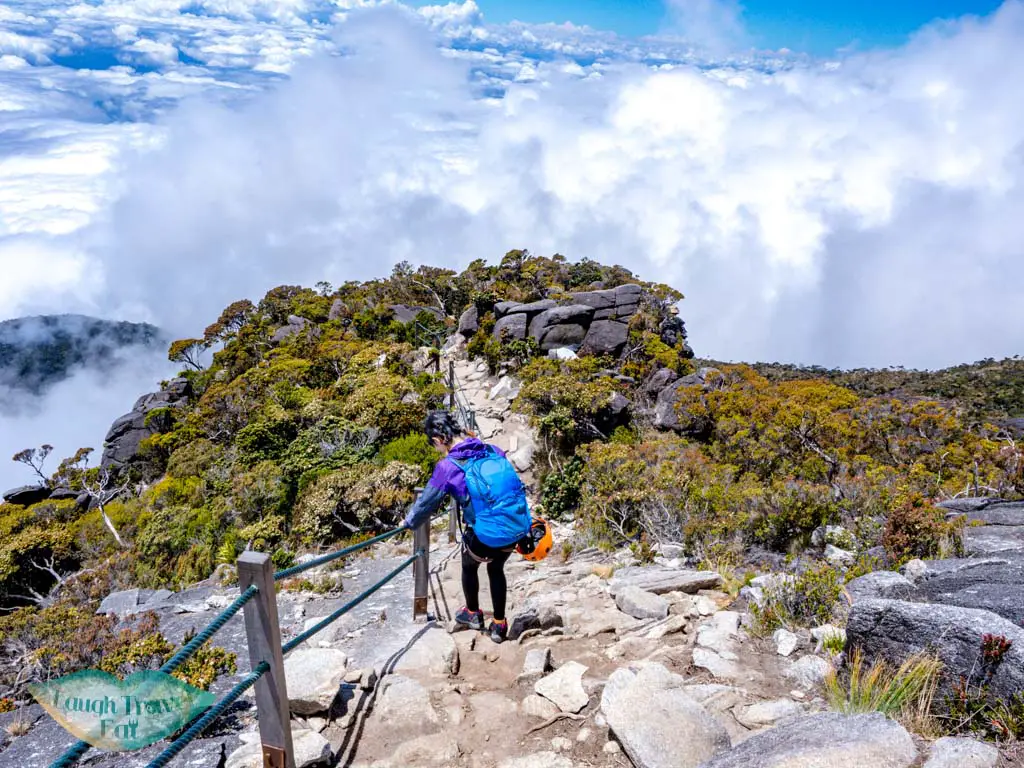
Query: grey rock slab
x=785, y=642
x=987, y=511
x=534, y=307
x=123, y=603
x=994, y=540
x=27, y=495
x=311, y=749
x=808, y=671
x=503, y=308
x=469, y=322
x=671, y=626
x=766, y=713
x=826, y=740
x=574, y=314
x=564, y=687
x=511, y=326
x=660, y=580
x=837, y=556
x=895, y=630
x=641, y=604
x=563, y=335
x=536, y=664
x=539, y=707
x=595, y=299
x=885, y=584
x=313, y=677
x=952, y=752
x=434, y=652
x=991, y=583
x=657, y=723
x=404, y=705
x=508, y=387
x=718, y=665
x=606, y=337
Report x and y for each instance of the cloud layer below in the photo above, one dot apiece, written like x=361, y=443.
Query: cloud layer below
x=160, y=160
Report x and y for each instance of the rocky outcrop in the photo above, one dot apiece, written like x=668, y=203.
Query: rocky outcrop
x=952, y=752
x=406, y=315
x=469, y=322
x=895, y=630
x=594, y=322
x=121, y=444
x=511, y=327
x=661, y=579
x=669, y=415
x=858, y=741
x=27, y=495
x=993, y=584
x=657, y=723
x=883, y=584
x=995, y=526
x=293, y=327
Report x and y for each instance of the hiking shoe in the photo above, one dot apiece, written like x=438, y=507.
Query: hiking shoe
x=498, y=631
x=471, y=619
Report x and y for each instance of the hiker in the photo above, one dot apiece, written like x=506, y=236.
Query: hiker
x=495, y=511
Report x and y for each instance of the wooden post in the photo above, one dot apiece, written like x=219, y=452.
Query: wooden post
x=453, y=520
x=421, y=570
x=263, y=636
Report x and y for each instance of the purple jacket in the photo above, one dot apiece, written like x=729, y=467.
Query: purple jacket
x=448, y=480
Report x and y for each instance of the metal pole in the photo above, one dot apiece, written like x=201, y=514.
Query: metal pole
x=451, y=384
x=453, y=520
x=421, y=570
x=263, y=636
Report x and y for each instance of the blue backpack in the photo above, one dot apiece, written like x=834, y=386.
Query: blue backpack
x=498, y=499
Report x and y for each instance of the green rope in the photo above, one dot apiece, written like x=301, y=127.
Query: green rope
x=76, y=751
x=335, y=555
x=301, y=638
x=212, y=714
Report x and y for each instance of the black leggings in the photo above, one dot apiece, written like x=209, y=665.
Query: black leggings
x=495, y=560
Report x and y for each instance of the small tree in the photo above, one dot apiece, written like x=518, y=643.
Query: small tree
x=35, y=458
x=187, y=351
x=99, y=483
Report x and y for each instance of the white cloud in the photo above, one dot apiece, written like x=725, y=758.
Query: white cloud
x=713, y=25
x=76, y=413
x=813, y=211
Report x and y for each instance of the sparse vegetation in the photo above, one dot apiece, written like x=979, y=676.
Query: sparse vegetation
x=906, y=693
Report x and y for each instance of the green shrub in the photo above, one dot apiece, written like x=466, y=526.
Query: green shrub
x=264, y=440
x=570, y=400
x=790, y=512
x=414, y=449
x=561, y=489
x=916, y=529
x=366, y=496
x=808, y=601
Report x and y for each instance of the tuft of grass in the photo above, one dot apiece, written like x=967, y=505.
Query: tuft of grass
x=833, y=643
x=905, y=694
x=18, y=727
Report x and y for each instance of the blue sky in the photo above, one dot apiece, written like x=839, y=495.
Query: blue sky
x=814, y=26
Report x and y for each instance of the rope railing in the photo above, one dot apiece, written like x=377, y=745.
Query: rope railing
x=211, y=714
x=332, y=556
x=77, y=750
x=257, y=618
x=264, y=640
x=299, y=639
